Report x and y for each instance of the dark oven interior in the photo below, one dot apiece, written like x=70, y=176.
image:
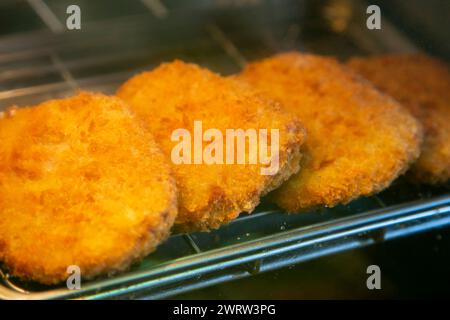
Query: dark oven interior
x=39, y=60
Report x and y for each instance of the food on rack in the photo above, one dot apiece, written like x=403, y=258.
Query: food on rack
x=359, y=140
x=184, y=96
x=81, y=183
x=422, y=84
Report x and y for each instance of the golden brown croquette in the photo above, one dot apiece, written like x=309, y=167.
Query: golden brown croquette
x=359, y=140
x=421, y=84
x=81, y=183
x=177, y=94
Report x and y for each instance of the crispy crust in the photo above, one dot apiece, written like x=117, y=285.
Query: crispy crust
x=421, y=84
x=81, y=183
x=175, y=95
x=359, y=140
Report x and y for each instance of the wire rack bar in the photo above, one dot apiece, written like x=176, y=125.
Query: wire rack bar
x=195, y=247
x=53, y=23
x=47, y=15
x=157, y=8
x=228, y=46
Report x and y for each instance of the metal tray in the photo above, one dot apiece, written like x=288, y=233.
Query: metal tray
x=40, y=60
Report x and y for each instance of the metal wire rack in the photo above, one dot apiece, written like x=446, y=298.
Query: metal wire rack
x=40, y=59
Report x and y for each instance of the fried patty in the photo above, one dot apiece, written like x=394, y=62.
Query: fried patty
x=81, y=183
x=359, y=140
x=175, y=95
x=421, y=84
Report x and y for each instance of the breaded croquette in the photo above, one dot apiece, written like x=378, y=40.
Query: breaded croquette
x=83, y=184
x=175, y=96
x=359, y=140
x=421, y=84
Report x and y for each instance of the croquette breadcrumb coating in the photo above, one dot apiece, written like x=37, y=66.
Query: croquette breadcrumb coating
x=359, y=140
x=81, y=183
x=421, y=84
x=175, y=95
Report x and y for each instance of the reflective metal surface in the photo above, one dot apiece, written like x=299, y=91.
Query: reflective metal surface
x=39, y=60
